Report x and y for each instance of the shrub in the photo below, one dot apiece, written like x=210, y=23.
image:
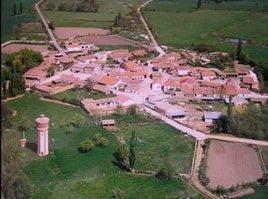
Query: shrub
x=86, y=145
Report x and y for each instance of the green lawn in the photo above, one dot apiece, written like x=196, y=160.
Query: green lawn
x=211, y=24
x=265, y=156
x=135, y=187
x=157, y=143
x=74, y=96
x=68, y=173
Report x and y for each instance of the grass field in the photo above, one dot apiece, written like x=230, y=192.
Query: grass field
x=68, y=173
x=157, y=143
x=102, y=19
x=212, y=24
x=261, y=192
x=8, y=22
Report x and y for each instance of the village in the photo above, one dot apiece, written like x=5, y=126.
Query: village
x=170, y=84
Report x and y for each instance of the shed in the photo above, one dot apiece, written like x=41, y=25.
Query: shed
x=209, y=116
x=108, y=123
x=175, y=113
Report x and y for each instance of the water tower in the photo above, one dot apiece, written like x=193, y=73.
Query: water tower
x=42, y=135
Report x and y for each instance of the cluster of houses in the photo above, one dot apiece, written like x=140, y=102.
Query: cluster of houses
x=120, y=70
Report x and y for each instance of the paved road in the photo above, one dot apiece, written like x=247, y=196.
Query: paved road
x=156, y=46
x=51, y=35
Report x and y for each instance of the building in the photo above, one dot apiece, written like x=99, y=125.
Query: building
x=210, y=116
x=42, y=135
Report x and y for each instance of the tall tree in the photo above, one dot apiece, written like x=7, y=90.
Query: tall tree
x=14, y=183
x=239, y=49
x=199, y=2
x=132, y=153
x=21, y=8
x=14, y=9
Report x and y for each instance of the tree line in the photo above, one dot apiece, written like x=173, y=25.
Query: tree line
x=17, y=10
x=14, y=183
x=252, y=122
x=13, y=66
x=83, y=6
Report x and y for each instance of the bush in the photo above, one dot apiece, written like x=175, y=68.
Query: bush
x=86, y=145
x=205, y=48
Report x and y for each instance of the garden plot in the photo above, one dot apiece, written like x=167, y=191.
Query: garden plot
x=231, y=164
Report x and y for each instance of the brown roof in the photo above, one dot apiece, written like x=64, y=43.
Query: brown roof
x=108, y=80
x=139, y=53
x=130, y=65
x=229, y=90
x=187, y=89
x=204, y=90
x=247, y=79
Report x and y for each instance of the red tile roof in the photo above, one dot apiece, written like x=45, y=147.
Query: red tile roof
x=108, y=80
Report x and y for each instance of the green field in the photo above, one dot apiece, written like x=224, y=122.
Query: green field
x=261, y=193
x=104, y=18
x=8, y=22
x=157, y=143
x=211, y=24
x=68, y=173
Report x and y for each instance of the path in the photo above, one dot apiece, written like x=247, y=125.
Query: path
x=156, y=46
x=57, y=101
x=53, y=39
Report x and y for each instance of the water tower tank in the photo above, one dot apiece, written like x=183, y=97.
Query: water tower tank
x=42, y=124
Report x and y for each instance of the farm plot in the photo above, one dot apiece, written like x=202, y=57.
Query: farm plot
x=16, y=47
x=108, y=40
x=68, y=32
x=231, y=164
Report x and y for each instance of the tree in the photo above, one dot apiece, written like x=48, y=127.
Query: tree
x=89, y=84
x=21, y=8
x=199, y=2
x=100, y=141
x=86, y=145
x=14, y=9
x=165, y=172
x=51, y=25
x=6, y=116
x=50, y=6
x=121, y=155
x=239, y=49
x=51, y=71
x=132, y=154
x=16, y=184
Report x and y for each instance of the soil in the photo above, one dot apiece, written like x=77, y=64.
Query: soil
x=16, y=47
x=108, y=40
x=69, y=32
x=232, y=164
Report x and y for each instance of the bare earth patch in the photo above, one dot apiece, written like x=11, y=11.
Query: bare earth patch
x=108, y=40
x=232, y=164
x=16, y=47
x=68, y=32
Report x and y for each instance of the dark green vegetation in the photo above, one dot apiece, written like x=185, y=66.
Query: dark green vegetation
x=9, y=21
x=251, y=123
x=75, y=95
x=261, y=192
x=67, y=173
x=13, y=66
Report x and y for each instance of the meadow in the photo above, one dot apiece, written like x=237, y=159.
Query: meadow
x=212, y=24
x=102, y=19
x=67, y=173
x=9, y=22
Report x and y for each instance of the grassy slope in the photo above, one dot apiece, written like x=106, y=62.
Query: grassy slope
x=64, y=173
